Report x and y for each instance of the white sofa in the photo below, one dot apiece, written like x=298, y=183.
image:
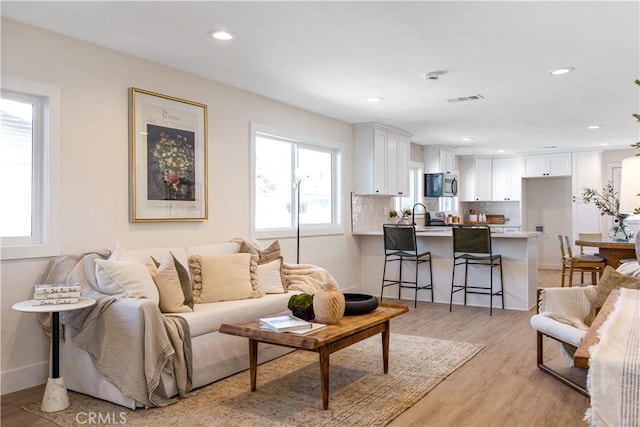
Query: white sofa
x=215, y=355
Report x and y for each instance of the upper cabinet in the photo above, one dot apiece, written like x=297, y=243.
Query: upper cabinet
x=587, y=167
x=490, y=179
x=475, y=178
x=439, y=159
x=507, y=178
x=586, y=171
x=540, y=165
x=381, y=160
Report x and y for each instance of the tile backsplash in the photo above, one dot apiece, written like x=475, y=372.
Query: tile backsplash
x=368, y=212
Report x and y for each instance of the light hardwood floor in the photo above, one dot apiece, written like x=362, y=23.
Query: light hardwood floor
x=501, y=386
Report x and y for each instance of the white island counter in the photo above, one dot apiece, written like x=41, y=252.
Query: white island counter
x=520, y=268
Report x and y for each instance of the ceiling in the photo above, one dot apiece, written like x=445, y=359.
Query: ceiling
x=328, y=57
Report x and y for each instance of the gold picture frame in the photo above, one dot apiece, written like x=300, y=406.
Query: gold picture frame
x=168, y=158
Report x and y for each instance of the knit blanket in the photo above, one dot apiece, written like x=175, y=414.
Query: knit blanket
x=307, y=278
x=614, y=373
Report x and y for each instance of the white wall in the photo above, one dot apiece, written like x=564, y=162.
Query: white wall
x=95, y=204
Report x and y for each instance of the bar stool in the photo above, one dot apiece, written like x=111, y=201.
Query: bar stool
x=400, y=245
x=472, y=246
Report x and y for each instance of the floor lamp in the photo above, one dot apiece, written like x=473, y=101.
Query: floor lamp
x=298, y=181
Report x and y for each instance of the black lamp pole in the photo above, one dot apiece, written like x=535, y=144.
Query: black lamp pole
x=298, y=221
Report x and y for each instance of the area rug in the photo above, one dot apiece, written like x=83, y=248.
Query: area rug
x=288, y=390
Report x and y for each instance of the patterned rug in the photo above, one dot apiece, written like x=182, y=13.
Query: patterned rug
x=288, y=390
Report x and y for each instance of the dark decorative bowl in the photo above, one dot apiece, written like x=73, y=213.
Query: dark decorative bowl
x=359, y=304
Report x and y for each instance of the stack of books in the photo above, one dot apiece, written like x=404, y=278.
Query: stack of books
x=289, y=324
x=56, y=294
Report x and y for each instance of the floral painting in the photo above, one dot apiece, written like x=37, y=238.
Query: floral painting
x=171, y=164
x=168, y=158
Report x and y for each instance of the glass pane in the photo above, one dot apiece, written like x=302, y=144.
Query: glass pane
x=274, y=186
x=16, y=163
x=314, y=171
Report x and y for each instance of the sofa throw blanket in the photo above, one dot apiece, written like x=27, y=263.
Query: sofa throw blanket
x=129, y=340
x=307, y=278
x=614, y=373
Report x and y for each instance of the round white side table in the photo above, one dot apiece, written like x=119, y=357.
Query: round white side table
x=55, y=394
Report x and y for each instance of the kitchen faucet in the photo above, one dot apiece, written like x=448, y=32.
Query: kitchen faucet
x=413, y=212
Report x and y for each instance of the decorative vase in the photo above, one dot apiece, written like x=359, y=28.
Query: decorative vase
x=620, y=232
x=328, y=304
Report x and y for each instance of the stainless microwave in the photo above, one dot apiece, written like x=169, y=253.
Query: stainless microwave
x=440, y=185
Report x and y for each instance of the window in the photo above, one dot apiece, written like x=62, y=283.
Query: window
x=29, y=158
x=294, y=178
x=415, y=189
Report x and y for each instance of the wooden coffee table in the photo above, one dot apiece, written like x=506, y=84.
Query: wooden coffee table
x=350, y=330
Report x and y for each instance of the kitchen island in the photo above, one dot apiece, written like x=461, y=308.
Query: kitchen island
x=519, y=252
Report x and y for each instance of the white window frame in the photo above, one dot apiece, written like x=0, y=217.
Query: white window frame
x=337, y=225
x=45, y=238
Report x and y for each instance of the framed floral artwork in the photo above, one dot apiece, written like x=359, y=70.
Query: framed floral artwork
x=168, y=158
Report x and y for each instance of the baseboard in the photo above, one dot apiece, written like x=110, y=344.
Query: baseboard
x=26, y=377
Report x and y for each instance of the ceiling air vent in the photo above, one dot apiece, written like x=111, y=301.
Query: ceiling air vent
x=466, y=98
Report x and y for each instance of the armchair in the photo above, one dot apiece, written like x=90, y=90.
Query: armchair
x=560, y=316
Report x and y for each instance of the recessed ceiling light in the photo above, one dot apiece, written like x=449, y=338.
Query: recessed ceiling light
x=467, y=138
x=561, y=71
x=374, y=99
x=500, y=151
x=605, y=144
x=594, y=127
x=223, y=35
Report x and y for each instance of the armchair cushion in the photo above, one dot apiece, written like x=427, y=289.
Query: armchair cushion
x=558, y=330
x=610, y=280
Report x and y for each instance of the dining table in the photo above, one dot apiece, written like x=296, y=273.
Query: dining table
x=612, y=252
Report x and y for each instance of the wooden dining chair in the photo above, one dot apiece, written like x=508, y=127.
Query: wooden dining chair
x=589, y=237
x=582, y=263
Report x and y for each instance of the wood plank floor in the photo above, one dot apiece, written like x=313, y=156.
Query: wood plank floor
x=501, y=386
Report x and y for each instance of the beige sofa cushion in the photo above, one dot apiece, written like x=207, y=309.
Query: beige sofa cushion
x=131, y=278
x=224, y=277
x=270, y=277
x=167, y=279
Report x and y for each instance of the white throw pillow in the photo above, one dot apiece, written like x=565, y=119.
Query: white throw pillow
x=123, y=277
x=168, y=282
x=270, y=277
x=226, y=277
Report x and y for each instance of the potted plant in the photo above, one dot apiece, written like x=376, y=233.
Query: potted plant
x=301, y=306
x=402, y=216
x=609, y=204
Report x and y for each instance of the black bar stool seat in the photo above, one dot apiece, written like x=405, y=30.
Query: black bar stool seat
x=400, y=245
x=472, y=246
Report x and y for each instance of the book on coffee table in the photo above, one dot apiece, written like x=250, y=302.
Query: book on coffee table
x=284, y=323
x=314, y=328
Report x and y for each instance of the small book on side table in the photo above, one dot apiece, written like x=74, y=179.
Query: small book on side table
x=284, y=324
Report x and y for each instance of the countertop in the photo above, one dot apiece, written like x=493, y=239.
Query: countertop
x=446, y=232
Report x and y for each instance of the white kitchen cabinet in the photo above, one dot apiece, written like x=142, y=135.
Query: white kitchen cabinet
x=507, y=178
x=381, y=160
x=439, y=159
x=586, y=167
x=541, y=165
x=475, y=179
x=483, y=179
